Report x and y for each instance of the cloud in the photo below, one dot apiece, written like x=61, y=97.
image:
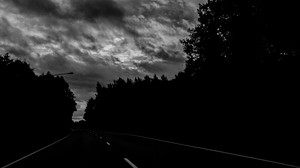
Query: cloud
x=168, y=53
x=108, y=11
x=89, y=10
x=21, y=52
x=175, y=10
x=50, y=63
x=155, y=68
x=10, y=34
x=161, y=68
x=94, y=9
x=170, y=56
x=36, y=7
x=112, y=37
x=98, y=40
x=13, y=40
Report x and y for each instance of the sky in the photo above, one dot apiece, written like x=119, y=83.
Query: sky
x=98, y=40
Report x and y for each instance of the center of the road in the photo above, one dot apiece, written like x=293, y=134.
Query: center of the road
x=126, y=159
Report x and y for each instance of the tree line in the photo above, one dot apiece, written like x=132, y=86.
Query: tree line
x=240, y=84
x=35, y=109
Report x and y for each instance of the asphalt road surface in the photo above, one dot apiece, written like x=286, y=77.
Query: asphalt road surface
x=85, y=148
x=149, y=152
x=79, y=149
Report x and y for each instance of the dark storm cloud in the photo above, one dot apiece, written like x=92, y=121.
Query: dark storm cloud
x=93, y=9
x=36, y=7
x=89, y=10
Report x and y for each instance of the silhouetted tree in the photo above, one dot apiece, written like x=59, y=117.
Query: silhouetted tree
x=240, y=70
x=58, y=97
x=240, y=33
x=243, y=57
x=41, y=96
x=121, y=102
x=34, y=109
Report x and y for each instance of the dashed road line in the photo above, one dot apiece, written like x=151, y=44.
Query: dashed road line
x=130, y=163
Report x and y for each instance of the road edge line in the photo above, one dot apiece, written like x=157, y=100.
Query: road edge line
x=24, y=157
x=210, y=150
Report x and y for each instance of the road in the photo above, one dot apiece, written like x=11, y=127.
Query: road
x=80, y=149
x=149, y=152
x=85, y=148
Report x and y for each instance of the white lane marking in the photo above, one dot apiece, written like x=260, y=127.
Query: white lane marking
x=210, y=150
x=36, y=151
x=130, y=163
x=107, y=143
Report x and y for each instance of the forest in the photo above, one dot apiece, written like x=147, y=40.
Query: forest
x=35, y=109
x=238, y=92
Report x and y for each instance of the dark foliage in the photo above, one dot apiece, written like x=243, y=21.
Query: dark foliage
x=34, y=109
x=131, y=100
x=238, y=92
